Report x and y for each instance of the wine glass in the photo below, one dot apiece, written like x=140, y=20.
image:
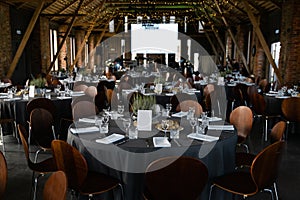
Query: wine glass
x=126, y=124
x=193, y=123
x=120, y=109
x=169, y=108
x=105, y=118
x=165, y=126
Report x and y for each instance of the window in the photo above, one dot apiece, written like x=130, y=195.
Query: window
x=53, y=48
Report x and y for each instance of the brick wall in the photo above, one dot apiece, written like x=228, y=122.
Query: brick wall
x=290, y=42
x=5, y=40
x=44, y=43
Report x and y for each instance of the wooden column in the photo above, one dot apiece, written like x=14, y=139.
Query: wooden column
x=262, y=40
x=25, y=39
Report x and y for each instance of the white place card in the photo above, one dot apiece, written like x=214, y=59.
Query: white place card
x=144, y=120
x=31, y=91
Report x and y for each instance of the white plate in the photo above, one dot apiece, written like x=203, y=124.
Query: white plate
x=84, y=129
x=202, y=137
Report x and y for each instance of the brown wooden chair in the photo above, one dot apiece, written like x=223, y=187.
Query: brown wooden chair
x=56, y=186
x=291, y=111
x=175, y=178
x=262, y=175
x=3, y=175
x=184, y=106
x=259, y=108
x=42, y=129
x=243, y=159
x=84, y=109
x=42, y=168
x=80, y=179
x=242, y=119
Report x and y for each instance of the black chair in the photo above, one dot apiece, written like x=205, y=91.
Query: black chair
x=175, y=178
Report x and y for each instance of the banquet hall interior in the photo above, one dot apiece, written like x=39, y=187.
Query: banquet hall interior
x=106, y=91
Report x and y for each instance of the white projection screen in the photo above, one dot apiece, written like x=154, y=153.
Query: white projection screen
x=154, y=38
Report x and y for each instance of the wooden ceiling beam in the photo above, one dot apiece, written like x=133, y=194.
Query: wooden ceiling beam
x=25, y=39
x=233, y=38
x=262, y=40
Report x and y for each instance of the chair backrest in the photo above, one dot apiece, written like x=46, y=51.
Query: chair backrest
x=79, y=87
x=91, y=91
x=242, y=119
x=3, y=175
x=265, y=166
x=258, y=103
x=277, y=131
x=41, y=127
x=184, y=106
x=56, y=186
x=69, y=160
x=41, y=103
x=175, y=178
x=83, y=109
x=291, y=109
x=24, y=138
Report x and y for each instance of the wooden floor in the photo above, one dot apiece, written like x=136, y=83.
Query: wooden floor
x=19, y=176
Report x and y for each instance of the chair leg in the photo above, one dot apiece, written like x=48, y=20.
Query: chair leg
x=35, y=185
x=266, y=130
x=269, y=190
x=36, y=155
x=122, y=191
x=2, y=139
x=275, y=190
x=210, y=191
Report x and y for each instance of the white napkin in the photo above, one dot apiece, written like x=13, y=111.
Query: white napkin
x=64, y=97
x=179, y=114
x=84, y=129
x=13, y=99
x=87, y=120
x=212, y=119
x=161, y=142
x=221, y=127
x=110, y=139
x=202, y=137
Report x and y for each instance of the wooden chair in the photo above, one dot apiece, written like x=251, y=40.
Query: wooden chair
x=175, y=178
x=3, y=175
x=80, y=179
x=42, y=168
x=44, y=103
x=56, y=187
x=242, y=119
x=291, y=111
x=243, y=159
x=262, y=175
x=259, y=109
x=42, y=129
x=184, y=106
x=84, y=109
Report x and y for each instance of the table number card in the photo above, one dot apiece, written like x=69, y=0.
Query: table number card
x=31, y=91
x=144, y=120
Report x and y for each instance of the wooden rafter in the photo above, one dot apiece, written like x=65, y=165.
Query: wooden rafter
x=25, y=39
x=233, y=38
x=262, y=40
x=65, y=36
x=66, y=7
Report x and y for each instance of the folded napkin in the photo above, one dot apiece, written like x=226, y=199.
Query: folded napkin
x=221, y=127
x=87, y=120
x=202, y=137
x=271, y=94
x=161, y=142
x=13, y=99
x=169, y=94
x=179, y=114
x=110, y=139
x=64, y=97
x=84, y=129
x=212, y=119
x=282, y=97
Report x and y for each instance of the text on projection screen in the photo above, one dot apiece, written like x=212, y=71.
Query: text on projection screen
x=154, y=38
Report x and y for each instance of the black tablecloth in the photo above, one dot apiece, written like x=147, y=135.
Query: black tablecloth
x=136, y=154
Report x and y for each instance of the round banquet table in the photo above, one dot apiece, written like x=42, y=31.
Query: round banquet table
x=127, y=159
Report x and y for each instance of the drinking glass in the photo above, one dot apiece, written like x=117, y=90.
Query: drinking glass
x=120, y=109
x=193, y=123
x=126, y=124
x=190, y=113
x=165, y=126
x=105, y=118
x=169, y=108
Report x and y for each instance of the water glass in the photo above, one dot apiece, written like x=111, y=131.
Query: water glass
x=104, y=127
x=174, y=133
x=133, y=132
x=190, y=113
x=193, y=123
x=120, y=109
x=169, y=108
x=126, y=124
